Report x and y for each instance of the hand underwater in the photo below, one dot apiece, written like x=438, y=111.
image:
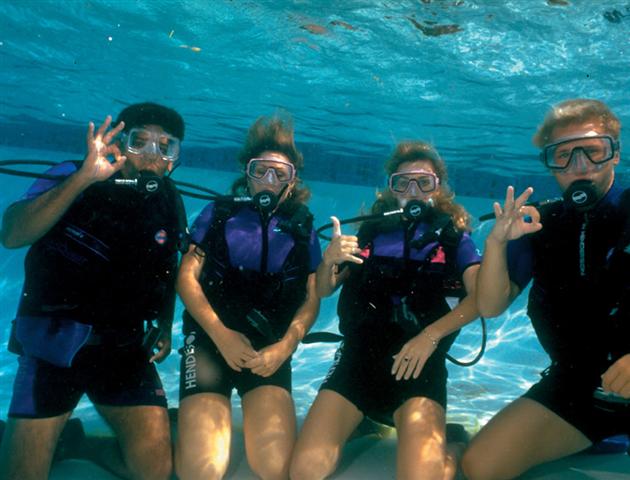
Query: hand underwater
x=413, y=355
x=164, y=345
x=96, y=165
x=510, y=220
x=342, y=248
x=617, y=378
x=269, y=359
x=235, y=348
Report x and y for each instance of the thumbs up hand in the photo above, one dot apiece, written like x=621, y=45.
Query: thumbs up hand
x=342, y=248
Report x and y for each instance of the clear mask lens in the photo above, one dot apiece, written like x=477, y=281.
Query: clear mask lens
x=413, y=182
x=270, y=171
x=574, y=152
x=140, y=140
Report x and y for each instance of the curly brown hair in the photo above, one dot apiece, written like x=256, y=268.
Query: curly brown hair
x=411, y=151
x=273, y=134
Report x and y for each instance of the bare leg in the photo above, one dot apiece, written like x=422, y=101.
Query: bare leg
x=270, y=428
x=421, y=427
x=328, y=425
x=22, y=438
x=521, y=436
x=142, y=447
x=204, y=432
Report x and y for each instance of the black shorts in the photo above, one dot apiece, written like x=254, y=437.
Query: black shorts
x=112, y=376
x=568, y=392
x=363, y=376
x=204, y=370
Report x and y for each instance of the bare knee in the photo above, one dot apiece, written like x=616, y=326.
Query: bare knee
x=196, y=471
x=313, y=464
x=270, y=470
x=190, y=466
x=475, y=466
x=24, y=436
x=269, y=456
x=270, y=464
x=425, y=458
x=151, y=460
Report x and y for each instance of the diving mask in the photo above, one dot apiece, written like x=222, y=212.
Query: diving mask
x=142, y=140
x=270, y=171
x=424, y=180
x=572, y=152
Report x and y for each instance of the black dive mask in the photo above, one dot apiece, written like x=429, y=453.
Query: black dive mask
x=147, y=182
x=581, y=194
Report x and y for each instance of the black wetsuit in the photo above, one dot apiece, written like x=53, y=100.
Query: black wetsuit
x=254, y=277
x=91, y=282
x=398, y=290
x=575, y=288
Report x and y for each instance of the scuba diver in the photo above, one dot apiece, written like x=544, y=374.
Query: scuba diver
x=398, y=275
x=100, y=270
x=248, y=285
x=576, y=253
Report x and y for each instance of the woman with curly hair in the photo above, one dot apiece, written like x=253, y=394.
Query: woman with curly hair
x=397, y=324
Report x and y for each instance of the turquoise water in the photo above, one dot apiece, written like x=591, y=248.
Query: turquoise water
x=473, y=77
x=511, y=363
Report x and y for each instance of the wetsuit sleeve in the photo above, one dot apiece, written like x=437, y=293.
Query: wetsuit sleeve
x=467, y=253
x=201, y=225
x=42, y=185
x=520, y=261
x=315, y=252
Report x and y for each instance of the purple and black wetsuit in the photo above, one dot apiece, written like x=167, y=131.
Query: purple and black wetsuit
x=401, y=287
x=254, y=276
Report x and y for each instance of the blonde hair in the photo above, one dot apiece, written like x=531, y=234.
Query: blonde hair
x=411, y=151
x=577, y=110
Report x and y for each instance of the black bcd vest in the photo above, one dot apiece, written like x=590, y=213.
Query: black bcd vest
x=110, y=261
x=378, y=297
x=576, y=285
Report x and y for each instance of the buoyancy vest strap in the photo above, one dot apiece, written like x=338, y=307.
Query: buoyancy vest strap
x=264, y=249
x=322, y=337
x=617, y=270
x=624, y=206
x=181, y=220
x=223, y=211
x=299, y=225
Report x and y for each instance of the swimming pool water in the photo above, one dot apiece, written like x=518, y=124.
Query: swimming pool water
x=510, y=364
x=473, y=77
